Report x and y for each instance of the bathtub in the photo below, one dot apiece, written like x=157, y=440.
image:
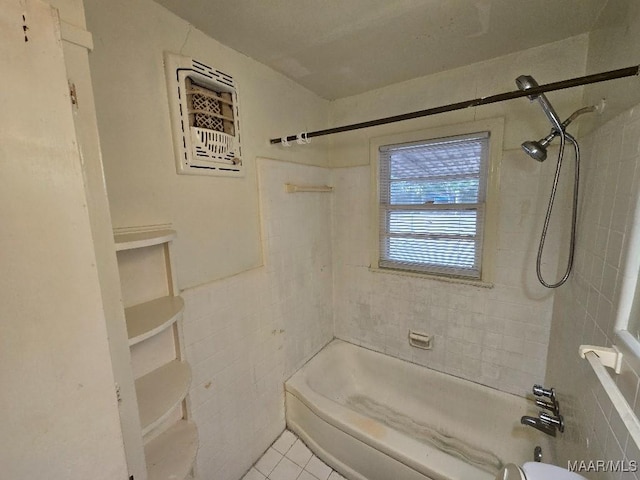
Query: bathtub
x=374, y=417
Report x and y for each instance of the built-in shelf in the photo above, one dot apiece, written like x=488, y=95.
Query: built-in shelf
x=160, y=391
x=154, y=337
x=171, y=455
x=150, y=318
x=129, y=241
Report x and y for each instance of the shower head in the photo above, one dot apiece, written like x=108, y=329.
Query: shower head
x=535, y=150
x=527, y=82
x=538, y=149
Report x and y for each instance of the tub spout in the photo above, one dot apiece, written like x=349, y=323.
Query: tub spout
x=538, y=424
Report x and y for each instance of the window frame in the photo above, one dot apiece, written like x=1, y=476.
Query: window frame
x=629, y=296
x=495, y=128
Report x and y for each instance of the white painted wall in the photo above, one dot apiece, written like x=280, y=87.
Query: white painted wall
x=247, y=334
x=58, y=394
x=217, y=218
x=495, y=336
x=257, y=305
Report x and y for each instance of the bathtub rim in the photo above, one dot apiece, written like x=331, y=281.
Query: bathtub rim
x=338, y=340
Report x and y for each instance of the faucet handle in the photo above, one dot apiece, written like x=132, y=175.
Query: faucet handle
x=540, y=391
x=552, y=406
x=557, y=421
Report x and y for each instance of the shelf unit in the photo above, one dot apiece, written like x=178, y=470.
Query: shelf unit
x=153, y=314
x=141, y=239
x=172, y=456
x=150, y=318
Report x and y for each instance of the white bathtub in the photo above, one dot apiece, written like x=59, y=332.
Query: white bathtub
x=374, y=417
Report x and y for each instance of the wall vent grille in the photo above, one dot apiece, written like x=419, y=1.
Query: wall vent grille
x=205, y=118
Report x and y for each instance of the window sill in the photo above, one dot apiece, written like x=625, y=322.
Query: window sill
x=427, y=276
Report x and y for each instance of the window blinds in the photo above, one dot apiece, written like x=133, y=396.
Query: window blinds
x=432, y=201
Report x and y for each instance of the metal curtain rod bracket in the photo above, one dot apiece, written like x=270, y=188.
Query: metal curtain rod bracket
x=501, y=97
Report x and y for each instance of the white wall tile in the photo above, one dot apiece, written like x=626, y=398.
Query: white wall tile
x=246, y=334
x=590, y=299
x=468, y=323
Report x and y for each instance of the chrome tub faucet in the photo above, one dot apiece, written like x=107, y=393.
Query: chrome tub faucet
x=538, y=424
x=546, y=422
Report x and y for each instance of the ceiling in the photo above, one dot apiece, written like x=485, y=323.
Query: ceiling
x=338, y=48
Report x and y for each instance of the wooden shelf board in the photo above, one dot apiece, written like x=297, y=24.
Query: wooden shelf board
x=170, y=456
x=150, y=318
x=129, y=241
x=160, y=391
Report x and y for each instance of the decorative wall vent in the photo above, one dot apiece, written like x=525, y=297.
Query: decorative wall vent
x=204, y=117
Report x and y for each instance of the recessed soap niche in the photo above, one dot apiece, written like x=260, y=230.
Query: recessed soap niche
x=205, y=118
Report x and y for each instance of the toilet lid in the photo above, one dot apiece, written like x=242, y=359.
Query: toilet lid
x=511, y=472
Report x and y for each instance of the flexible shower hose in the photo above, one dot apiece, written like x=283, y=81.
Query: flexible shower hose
x=574, y=215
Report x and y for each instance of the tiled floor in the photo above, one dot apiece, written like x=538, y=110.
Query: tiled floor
x=290, y=459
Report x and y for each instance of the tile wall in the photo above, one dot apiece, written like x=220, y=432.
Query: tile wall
x=247, y=334
x=495, y=336
x=585, y=308
x=250, y=332
x=298, y=252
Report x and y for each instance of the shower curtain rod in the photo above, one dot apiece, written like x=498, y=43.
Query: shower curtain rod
x=549, y=87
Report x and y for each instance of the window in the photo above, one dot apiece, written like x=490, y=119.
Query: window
x=627, y=324
x=433, y=203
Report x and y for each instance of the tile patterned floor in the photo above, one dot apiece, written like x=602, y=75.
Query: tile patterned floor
x=290, y=459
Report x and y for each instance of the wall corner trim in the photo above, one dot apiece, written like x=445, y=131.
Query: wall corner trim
x=76, y=35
